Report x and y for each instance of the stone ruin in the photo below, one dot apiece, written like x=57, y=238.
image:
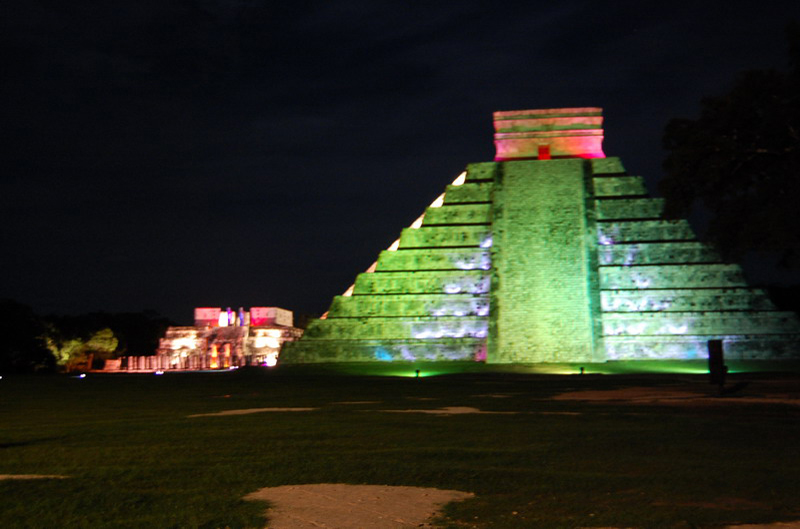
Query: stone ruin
x=219, y=339
x=550, y=253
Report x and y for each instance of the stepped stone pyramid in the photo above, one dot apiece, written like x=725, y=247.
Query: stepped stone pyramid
x=550, y=253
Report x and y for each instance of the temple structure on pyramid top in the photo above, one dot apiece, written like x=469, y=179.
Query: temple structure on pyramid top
x=549, y=253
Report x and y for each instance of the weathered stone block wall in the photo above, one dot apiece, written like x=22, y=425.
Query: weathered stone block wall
x=629, y=208
x=644, y=253
x=405, y=305
x=615, y=186
x=426, y=282
x=685, y=299
x=444, y=236
x=398, y=328
x=615, y=232
x=699, y=275
x=435, y=259
x=458, y=214
x=469, y=192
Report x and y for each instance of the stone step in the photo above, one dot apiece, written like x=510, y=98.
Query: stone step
x=617, y=186
x=382, y=328
x=469, y=192
x=646, y=253
x=409, y=306
x=613, y=232
x=699, y=323
x=461, y=349
x=458, y=214
x=608, y=165
x=435, y=259
x=481, y=171
x=671, y=300
x=629, y=208
x=428, y=282
x=736, y=347
x=432, y=237
x=671, y=276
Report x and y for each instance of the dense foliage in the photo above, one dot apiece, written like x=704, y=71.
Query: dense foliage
x=32, y=343
x=741, y=160
x=22, y=347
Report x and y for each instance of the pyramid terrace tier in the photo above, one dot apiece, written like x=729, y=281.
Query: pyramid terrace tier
x=427, y=282
x=619, y=186
x=699, y=323
x=671, y=276
x=481, y=172
x=435, y=259
x=651, y=253
x=383, y=328
x=736, y=347
x=685, y=299
x=449, y=236
x=609, y=166
x=446, y=350
x=629, y=208
x=456, y=214
x=408, y=306
x=480, y=192
x=615, y=232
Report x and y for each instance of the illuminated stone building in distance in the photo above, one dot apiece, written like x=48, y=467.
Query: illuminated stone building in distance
x=219, y=339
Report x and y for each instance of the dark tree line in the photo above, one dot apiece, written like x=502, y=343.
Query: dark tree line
x=23, y=348
x=32, y=343
x=741, y=161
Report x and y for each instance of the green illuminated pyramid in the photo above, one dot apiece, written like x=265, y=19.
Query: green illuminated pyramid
x=550, y=253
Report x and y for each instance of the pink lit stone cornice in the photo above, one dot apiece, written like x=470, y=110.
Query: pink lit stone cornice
x=549, y=133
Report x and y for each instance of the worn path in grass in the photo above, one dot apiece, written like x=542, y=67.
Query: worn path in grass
x=353, y=506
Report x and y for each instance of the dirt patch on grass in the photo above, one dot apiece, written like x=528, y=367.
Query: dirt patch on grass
x=643, y=394
x=339, y=506
x=30, y=476
x=453, y=410
x=674, y=396
x=727, y=504
x=778, y=525
x=248, y=411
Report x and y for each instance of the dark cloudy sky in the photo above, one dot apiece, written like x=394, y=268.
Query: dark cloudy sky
x=169, y=154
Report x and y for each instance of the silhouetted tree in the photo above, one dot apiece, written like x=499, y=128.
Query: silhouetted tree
x=22, y=345
x=138, y=332
x=741, y=160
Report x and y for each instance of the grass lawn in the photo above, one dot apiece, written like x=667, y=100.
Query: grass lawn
x=134, y=458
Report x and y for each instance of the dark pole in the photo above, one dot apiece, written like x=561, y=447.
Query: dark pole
x=717, y=370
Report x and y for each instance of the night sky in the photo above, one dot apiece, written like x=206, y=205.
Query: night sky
x=164, y=154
